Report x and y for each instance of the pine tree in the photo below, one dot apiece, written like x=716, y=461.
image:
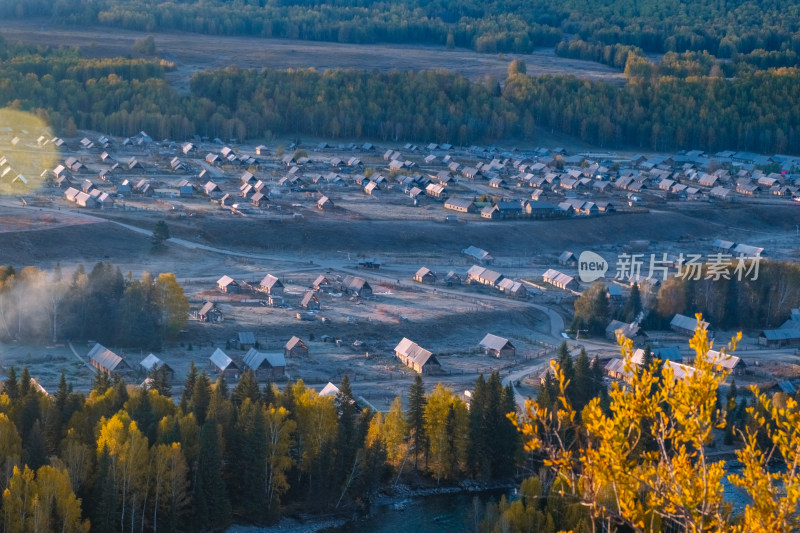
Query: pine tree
x=416, y=418
x=633, y=305
x=188, y=388
x=213, y=508
x=249, y=461
x=268, y=396
x=581, y=389
x=201, y=398
x=11, y=385
x=479, y=441
x=246, y=388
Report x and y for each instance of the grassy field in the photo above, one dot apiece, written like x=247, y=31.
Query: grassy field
x=195, y=52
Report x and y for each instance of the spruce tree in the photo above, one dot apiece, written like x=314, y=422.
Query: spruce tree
x=480, y=438
x=246, y=388
x=11, y=385
x=416, y=417
x=188, y=388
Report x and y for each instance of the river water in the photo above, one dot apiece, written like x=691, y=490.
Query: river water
x=442, y=513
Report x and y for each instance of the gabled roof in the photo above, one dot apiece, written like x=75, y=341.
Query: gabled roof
x=255, y=359
x=685, y=322
x=295, y=341
x=422, y=272
x=493, y=342
x=781, y=334
x=413, y=351
x=221, y=360
x=329, y=390
x=150, y=361
x=224, y=281
x=308, y=297
x=107, y=359
x=270, y=281
x=629, y=330
x=208, y=306
x=246, y=337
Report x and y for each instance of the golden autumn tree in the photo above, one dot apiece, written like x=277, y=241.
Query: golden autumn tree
x=645, y=465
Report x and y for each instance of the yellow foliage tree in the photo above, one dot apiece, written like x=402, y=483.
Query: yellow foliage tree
x=671, y=482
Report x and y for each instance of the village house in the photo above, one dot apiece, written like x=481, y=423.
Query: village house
x=356, y=286
x=512, y=288
x=295, y=347
x=417, y=358
x=271, y=285
x=484, y=276
x=461, y=205
x=265, y=365
x=324, y=203
x=153, y=361
x=222, y=365
x=228, y=285
x=321, y=283
x=209, y=313
x=631, y=331
x=478, y=254
x=560, y=280
x=779, y=337
x=452, y=279
x=685, y=325
x=568, y=259
x=245, y=340
x=104, y=360
x=497, y=346
x=310, y=301
x=424, y=275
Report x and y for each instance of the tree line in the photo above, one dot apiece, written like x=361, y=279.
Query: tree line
x=724, y=30
x=133, y=459
x=755, y=111
x=728, y=302
x=102, y=304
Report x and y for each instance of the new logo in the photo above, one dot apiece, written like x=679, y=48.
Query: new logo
x=591, y=267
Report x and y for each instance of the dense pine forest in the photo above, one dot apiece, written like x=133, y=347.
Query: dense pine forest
x=754, y=111
x=724, y=29
x=126, y=458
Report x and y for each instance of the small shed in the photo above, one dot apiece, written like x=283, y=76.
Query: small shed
x=321, y=283
x=686, y=325
x=223, y=365
x=265, y=365
x=152, y=361
x=107, y=361
x=497, y=346
x=271, y=285
x=417, y=358
x=310, y=301
x=245, y=340
x=228, y=285
x=424, y=275
x=295, y=348
x=209, y=313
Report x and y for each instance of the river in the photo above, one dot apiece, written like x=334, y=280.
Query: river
x=440, y=513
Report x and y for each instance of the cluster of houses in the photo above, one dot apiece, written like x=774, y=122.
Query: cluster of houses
x=681, y=366
x=265, y=365
x=490, y=278
x=424, y=361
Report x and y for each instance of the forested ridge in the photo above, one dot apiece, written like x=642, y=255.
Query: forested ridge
x=131, y=459
x=754, y=111
x=722, y=28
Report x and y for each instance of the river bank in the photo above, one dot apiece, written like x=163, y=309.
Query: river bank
x=396, y=506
